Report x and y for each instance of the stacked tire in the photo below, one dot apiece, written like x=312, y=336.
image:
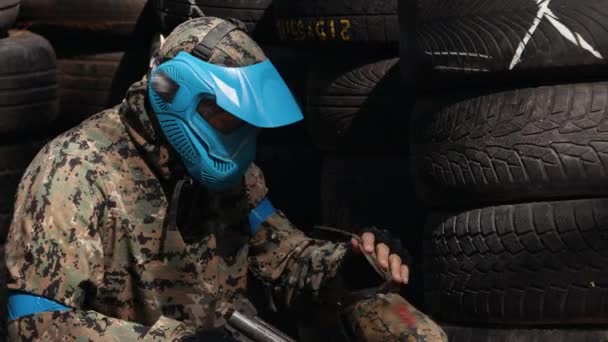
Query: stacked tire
x=509, y=148
x=28, y=104
x=102, y=48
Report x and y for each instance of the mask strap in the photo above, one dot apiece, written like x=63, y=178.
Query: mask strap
x=204, y=48
x=171, y=224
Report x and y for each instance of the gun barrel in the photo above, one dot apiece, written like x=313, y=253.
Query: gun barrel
x=257, y=329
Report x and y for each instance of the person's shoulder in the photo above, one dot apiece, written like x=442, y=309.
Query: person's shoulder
x=80, y=155
x=90, y=140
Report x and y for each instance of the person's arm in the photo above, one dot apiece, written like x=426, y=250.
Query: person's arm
x=282, y=256
x=76, y=325
x=290, y=262
x=54, y=250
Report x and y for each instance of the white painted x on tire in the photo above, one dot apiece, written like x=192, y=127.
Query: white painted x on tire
x=544, y=12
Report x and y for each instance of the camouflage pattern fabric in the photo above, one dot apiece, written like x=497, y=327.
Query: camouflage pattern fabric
x=90, y=230
x=390, y=318
x=236, y=49
x=376, y=314
x=92, y=326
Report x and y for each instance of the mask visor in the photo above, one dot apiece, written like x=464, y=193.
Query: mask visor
x=255, y=94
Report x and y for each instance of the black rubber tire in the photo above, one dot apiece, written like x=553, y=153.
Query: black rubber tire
x=292, y=175
x=256, y=14
x=85, y=85
x=91, y=82
x=14, y=161
x=407, y=10
x=9, y=9
x=522, y=144
x=358, y=190
x=472, y=334
x=530, y=264
x=359, y=21
x=121, y=18
x=357, y=105
x=466, y=39
x=28, y=84
x=3, y=294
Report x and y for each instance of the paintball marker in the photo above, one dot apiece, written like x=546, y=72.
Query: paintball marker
x=244, y=325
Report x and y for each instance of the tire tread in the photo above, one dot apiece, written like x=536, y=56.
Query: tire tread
x=542, y=142
x=529, y=263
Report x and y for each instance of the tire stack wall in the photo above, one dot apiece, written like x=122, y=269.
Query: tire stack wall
x=102, y=48
x=28, y=104
x=508, y=149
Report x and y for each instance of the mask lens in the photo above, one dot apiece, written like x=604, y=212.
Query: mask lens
x=218, y=118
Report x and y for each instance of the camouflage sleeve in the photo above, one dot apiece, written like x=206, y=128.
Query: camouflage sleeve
x=77, y=325
x=283, y=256
x=54, y=247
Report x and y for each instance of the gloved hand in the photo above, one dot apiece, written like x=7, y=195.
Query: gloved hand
x=388, y=251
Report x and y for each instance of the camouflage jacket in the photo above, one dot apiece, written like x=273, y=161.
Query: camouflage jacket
x=91, y=230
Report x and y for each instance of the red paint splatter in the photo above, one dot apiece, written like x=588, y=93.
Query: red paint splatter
x=403, y=312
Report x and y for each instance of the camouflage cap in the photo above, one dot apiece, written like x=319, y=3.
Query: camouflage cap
x=234, y=50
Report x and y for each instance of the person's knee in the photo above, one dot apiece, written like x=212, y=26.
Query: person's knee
x=389, y=317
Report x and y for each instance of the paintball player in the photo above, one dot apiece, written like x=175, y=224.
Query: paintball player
x=142, y=222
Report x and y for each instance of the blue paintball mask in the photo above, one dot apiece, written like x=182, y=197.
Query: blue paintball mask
x=211, y=114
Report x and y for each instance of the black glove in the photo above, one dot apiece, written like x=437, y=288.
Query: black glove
x=395, y=246
x=356, y=271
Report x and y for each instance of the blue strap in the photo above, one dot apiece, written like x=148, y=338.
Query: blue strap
x=259, y=214
x=22, y=304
